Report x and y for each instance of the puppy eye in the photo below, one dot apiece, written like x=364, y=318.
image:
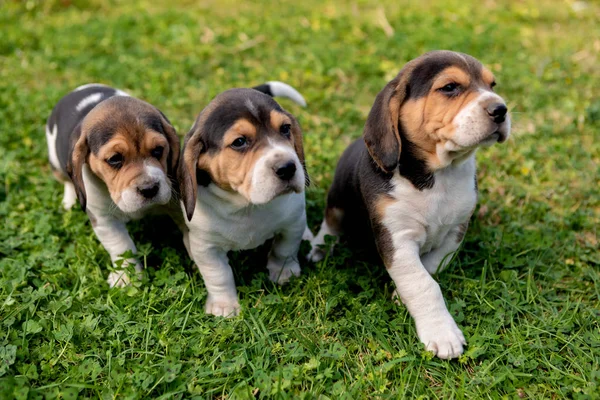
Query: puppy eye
x=115, y=161
x=492, y=85
x=449, y=88
x=157, y=152
x=285, y=130
x=239, y=143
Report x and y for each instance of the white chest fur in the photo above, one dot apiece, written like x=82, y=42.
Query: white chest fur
x=428, y=216
x=226, y=221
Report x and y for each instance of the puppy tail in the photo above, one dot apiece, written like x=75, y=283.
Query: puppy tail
x=280, y=89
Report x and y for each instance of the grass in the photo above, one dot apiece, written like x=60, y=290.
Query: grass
x=525, y=288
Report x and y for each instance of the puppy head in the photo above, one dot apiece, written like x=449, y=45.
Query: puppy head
x=131, y=146
x=244, y=143
x=444, y=104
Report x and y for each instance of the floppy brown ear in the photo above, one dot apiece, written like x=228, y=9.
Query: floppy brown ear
x=78, y=155
x=381, y=134
x=299, y=147
x=186, y=173
x=174, y=147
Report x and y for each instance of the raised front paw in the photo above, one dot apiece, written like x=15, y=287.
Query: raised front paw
x=222, y=306
x=281, y=271
x=442, y=337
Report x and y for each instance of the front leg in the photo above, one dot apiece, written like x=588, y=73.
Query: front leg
x=438, y=259
x=283, y=258
x=423, y=299
x=115, y=238
x=331, y=226
x=218, y=278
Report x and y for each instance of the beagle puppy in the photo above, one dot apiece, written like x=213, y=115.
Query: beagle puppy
x=411, y=181
x=117, y=155
x=242, y=179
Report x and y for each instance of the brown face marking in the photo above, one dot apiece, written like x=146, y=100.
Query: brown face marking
x=208, y=154
x=130, y=127
x=487, y=76
x=277, y=119
x=410, y=116
x=229, y=168
x=428, y=121
x=135, y=144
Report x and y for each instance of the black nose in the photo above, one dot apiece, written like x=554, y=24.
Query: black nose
x=286, y=171
x=497, y=111
x=149, y=191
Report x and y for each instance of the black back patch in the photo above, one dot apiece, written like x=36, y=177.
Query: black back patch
x=69, y=112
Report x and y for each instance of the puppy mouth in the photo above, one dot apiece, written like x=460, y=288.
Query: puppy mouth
x=290, y=188
x=287, y=188
x=492, y=138
x=295, y=187
x=138, y=203
x=138, y=206
x=499, y=135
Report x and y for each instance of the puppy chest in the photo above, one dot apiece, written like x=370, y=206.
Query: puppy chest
x=430, y=215
x=241, y=229
x=250, y=232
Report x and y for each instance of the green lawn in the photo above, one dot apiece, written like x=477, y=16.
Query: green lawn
x=525, y=288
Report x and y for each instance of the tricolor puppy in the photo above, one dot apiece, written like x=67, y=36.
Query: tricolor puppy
x=242, y=179
x=411, y=180
x=117, y=155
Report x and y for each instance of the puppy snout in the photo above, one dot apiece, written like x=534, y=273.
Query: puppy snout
x=285, y=171
x=149, y=190
x=497, y=111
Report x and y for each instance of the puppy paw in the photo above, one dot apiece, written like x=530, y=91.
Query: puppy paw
x=281, y=272
x=308, y=235
x=442, y=337
x=118, y=279
x=69, y=197
x=68, y=203
x=316, y=254
x=222, y=307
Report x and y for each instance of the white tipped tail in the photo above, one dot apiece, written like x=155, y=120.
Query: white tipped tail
x=280, y=89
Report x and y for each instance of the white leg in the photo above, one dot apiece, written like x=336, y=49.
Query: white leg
x=218, y=278
x=438, y=259
x=283, y=258
x=116, y=240
x=308, y=235
x=70, y=196
x=423, y=299
x=317, y=253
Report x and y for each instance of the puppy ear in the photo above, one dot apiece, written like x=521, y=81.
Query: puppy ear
x=381, y=133
x=299, y=147
x=186, y=173
x=174, y=146
x=78, y=155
